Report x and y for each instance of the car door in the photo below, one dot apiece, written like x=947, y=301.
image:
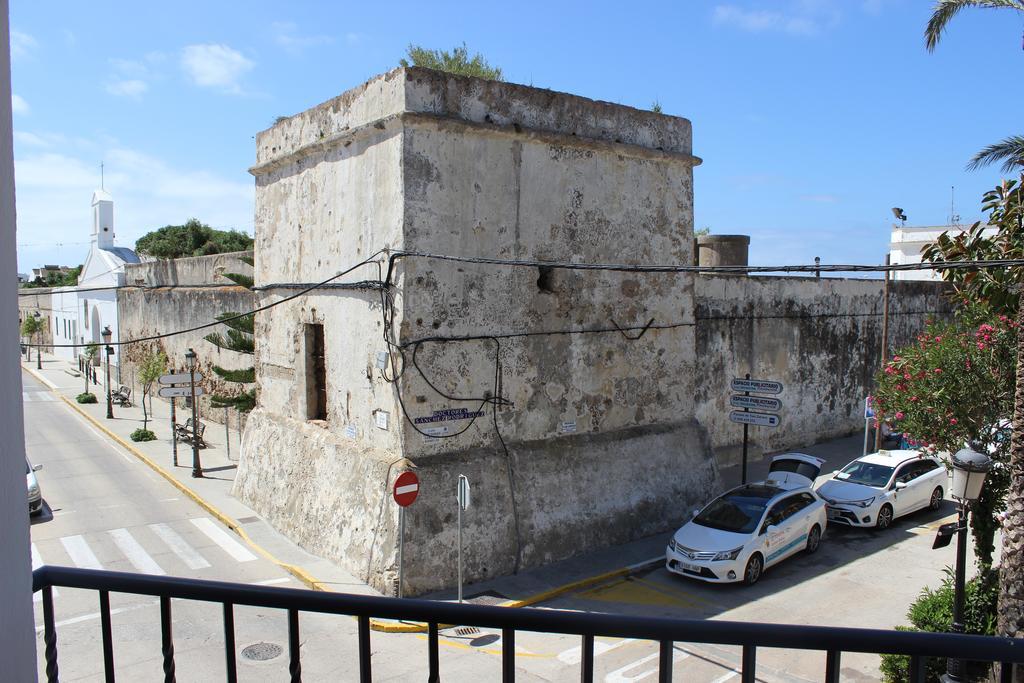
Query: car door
x=906, y=488
x=788, y=529
x=931, y=475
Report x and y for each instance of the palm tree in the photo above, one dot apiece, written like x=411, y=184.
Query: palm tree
x=1010, y=151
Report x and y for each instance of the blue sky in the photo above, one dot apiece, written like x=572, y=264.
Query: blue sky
x=813, y=117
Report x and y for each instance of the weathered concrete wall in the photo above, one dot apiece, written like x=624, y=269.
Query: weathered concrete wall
x=36, y=300
x=169, y=295
x=820, y=337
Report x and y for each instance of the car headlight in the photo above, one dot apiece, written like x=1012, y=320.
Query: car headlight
x=862, y=503
x=671, y=544
x=726, y=555
x=33, y=490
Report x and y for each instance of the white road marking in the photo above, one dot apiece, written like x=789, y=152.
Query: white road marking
x=37, y=396
x=135, y=553
x=574, y=655
x=271, y=582
x=221, y=538
x=96, y=615
x=726, y=677
x=169, y=500
x=619, y=675
x=180, y=546
x=37, y=562
x=80, y=552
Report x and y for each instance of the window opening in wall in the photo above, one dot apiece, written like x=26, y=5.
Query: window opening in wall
x=316, y=373
x=545, y=279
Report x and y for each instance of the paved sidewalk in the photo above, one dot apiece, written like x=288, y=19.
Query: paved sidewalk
x=213, y=490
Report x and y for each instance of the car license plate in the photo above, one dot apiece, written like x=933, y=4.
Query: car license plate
x=690, y=567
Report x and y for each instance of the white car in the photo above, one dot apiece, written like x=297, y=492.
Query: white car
x=35, y=496
x=752, y=527
x=874, y=490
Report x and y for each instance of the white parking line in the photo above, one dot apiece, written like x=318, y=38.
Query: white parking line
x=271, y=582
x=726, y=677
x=37, y=562
x=180, y=546
x=96, y=615
x=221, y=538
x=574, y=655
x=80, y=552
x=619, y=675
x=135, y=553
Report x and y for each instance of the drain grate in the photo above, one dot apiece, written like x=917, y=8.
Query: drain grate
x=467, y=630
x=261, y=652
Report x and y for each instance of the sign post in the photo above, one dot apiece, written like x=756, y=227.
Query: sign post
x=868, y=414
x=197, y=467
x=462, y=496
x=407, y=487
x=171, y=391
x=746, y=402
x=174, y=432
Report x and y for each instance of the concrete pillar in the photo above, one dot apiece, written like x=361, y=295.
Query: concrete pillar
x=722, y=250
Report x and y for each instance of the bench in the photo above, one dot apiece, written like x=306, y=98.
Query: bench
x=122, y=397
x=184, y=432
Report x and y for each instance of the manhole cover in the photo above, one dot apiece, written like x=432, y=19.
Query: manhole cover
x=261, y=652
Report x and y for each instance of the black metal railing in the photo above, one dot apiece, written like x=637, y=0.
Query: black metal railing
x=750, y=636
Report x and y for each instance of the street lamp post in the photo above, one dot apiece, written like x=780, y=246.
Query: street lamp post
x=969, y=471
x=39, y=343
x=197, y=468
x=106, y=334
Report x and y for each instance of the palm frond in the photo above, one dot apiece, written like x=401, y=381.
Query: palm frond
x=945, y=10
x=1010, y=151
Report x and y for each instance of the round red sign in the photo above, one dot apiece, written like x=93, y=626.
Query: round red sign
x=407, y=487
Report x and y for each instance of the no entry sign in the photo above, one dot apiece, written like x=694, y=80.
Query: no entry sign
x=407, y=487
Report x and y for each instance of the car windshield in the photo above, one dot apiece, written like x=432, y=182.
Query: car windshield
x=28, y=468
x=867, y=473
x=804, y=469
x=738, y=511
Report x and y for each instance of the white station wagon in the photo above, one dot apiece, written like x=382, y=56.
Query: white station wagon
x=752, y=527
x=874, y=490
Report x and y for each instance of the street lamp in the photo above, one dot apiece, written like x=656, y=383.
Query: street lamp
x=197, y=468
x=106, y=334
x=969, y=471
x=39, y=342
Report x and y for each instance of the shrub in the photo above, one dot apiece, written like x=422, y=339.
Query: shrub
x=933, y=612
x=86, y=398
x=141, y=434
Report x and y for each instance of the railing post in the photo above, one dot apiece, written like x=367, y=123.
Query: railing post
x=294, y=663
x=587, y=660
x=665, y=662
x=229, y=642
x=1006, y=672
x=832, y=666
x=108, y=645
x=749, y=664
x=434, y=676
x=917, y=669
x=165, y=636
x=365, y=675
x=508, y=655
x=49, y=636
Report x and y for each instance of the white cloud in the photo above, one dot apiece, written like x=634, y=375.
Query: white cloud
x=215, y=66
x=801, y=18
x=19, y=105
x=287, y=36
x=22, y=45
x=131, y=88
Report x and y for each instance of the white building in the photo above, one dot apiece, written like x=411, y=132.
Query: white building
x=80, y=313
x=907, y=242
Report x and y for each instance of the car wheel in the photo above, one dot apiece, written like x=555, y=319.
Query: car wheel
x=936, y=500
x=884, y=517
x=755, y=565
x=813, y=539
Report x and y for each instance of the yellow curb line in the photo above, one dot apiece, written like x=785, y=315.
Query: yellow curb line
x=298, y=572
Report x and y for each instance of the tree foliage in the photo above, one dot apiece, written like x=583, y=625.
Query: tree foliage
x=30, y=325
x=151, y=367
x=458, y=61
x=68, y=279
x=191, y=239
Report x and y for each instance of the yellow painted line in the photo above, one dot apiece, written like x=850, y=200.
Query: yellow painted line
x=485, y=650
x=298, y=572
x=641, y=592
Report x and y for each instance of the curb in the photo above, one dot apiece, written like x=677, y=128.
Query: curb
x=417, y=627
x=228, y=521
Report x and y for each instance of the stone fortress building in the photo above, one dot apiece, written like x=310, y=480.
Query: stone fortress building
x=586, y=407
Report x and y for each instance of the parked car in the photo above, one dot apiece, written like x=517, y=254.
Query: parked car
x=746, y=530
x=794, y=470
x=35, y=496
x=877, y=488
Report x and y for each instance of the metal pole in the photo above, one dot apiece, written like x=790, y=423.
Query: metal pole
x=39, y=350
x=110, y=402
x=174, y=432
x=458, y=503
x=745, y=428
x=866, y=423
x=227, y=432
x=401, y=543
x=955, y=667
x=197, y=468
x=885, y=339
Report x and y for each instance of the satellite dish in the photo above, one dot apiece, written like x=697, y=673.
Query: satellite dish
x=898, y=212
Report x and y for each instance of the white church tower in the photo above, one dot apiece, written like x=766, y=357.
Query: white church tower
x=102, y=220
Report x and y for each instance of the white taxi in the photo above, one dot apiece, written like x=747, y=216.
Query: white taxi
x=752, y=527
x=874, y=490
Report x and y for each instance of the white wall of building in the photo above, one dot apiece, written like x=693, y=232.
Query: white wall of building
x=907, y=242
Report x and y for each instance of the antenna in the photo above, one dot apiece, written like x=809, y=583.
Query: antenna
x=101, y=176
x=954, y=218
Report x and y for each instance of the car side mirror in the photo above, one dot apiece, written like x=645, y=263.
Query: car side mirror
x=900, y=485
x=36, y=468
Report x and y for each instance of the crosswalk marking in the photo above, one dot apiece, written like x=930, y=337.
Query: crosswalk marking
x=37, y=562
x=30, y=397
x=80, y=552
x=619, y=675
x=135, y=553
x=221, y=538
x=189, y=555
x=726, y=677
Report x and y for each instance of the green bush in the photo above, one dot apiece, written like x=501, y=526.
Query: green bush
x=933, y=612
x=86, y=398
x=141, y=434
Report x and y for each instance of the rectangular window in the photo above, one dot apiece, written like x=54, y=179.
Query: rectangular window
x=316, y=373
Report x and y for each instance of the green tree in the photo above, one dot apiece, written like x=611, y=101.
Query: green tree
x=239, y=339
x=191, y=239
x=151, y=367
x=30, y=326
x=68, y=279
x=457, y=61
x=1009, y=150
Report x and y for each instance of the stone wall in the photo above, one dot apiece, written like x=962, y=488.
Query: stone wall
x=169, y=295
x=36, y=300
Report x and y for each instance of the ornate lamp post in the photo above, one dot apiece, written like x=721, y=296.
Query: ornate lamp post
x=969, y=471
x=197, y=468
x=106, y=334
x=39, y=342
